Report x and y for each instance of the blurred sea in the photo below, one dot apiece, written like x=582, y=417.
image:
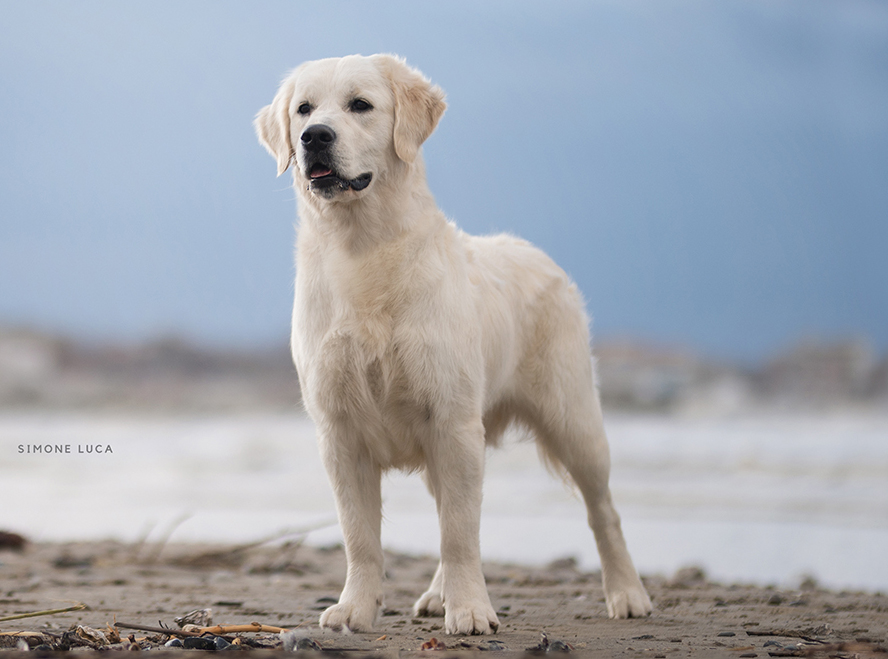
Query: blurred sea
x=767, y=498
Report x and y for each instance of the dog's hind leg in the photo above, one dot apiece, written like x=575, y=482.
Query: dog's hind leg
x=431, y=602
x=356, y=481
x=560, y=402
x=576, y=440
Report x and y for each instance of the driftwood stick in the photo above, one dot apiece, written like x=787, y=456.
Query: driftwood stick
x=156, y=630
x=216, y=629
x=33, y=614
x=284, y=533
x=786, y=633
x=234, y=629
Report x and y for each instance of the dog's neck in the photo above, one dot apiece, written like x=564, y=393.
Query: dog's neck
x=371, y=220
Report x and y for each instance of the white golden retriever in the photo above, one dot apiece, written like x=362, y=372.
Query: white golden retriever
x=417, y=345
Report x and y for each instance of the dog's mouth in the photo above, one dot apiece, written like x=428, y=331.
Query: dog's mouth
x=319, y=170
x=322, y=177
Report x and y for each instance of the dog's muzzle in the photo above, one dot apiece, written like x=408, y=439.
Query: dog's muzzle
x=317, y=141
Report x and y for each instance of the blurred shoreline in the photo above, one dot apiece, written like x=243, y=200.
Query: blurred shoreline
x=41, y=371
x=168, y=375
x=757, y=474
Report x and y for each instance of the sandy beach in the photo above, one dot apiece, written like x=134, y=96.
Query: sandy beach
x=288, y=584
x=793, y=501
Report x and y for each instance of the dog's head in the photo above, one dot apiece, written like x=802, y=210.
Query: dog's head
x=344, y=123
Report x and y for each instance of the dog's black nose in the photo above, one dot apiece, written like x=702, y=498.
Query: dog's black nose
x=317, y=137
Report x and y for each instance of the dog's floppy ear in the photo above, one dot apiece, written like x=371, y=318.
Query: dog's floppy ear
x=273, y=125
x=418, y=106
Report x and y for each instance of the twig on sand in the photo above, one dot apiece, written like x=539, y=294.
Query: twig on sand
x=285, y=533
x=236, y=550
x=216, y=629
x=79, y=606
x=156, y=630
x=140, y=541
x=803, y=634
x=235, y=629
x=165, y=537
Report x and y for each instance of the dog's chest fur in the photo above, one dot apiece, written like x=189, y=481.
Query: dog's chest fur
x=366, y=345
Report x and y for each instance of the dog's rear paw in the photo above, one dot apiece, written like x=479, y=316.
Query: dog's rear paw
x=430, y=604
x=348, y=616
x=631, y=602
x=473, y=618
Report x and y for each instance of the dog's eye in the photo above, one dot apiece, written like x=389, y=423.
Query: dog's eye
x=360, y=105
x=305, y=108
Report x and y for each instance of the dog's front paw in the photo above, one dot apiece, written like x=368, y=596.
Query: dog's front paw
x=470, y=618
x=429, y=604
x=628, y=602
x=350, y=616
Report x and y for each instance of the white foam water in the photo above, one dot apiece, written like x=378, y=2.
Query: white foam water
x=760, y=498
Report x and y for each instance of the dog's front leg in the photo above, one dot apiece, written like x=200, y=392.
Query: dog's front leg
x=355, y=478
x=456, y=471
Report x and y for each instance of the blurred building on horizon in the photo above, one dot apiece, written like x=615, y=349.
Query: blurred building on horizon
x=171, y=375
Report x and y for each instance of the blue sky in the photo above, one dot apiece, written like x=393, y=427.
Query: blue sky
x=712, y=174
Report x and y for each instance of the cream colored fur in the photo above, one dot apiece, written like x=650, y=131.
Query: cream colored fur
x=417, y=345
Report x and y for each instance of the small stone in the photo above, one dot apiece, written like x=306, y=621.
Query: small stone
x=775, y=599
x=199, y=643
x=558, y=646
x=567, y=563
x=292, y=642
x=433, y=644
x=174, y=643
x=687, y=577
x=541, y=647
x=66, y=561
x=91, y=635
x=12, y=541
x=809, y=582
x=221, y=643
x=289, y=640
x=306, y=643
x=726, y=634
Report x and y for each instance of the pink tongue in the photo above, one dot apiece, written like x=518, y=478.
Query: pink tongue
x=318, y=172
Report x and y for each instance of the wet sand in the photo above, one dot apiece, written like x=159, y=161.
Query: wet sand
x=287, y=585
